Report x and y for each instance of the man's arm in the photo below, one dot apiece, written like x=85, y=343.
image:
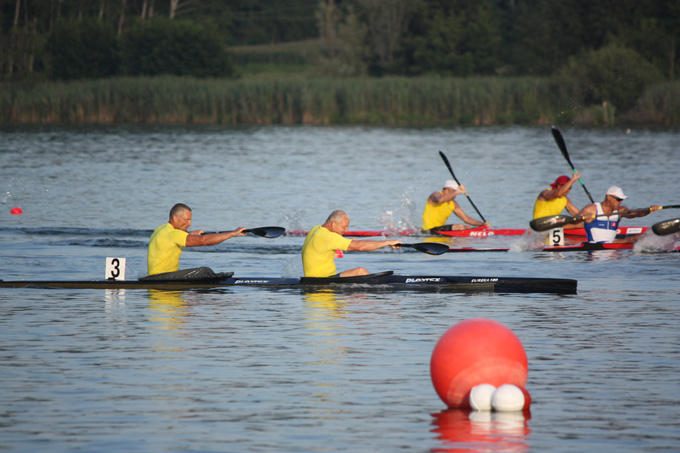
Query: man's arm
x=466, y=218
x=551, y=194
x=368, y=245
x=588, y=213
x=571, y=208
x=632, y=213
x=196, y=240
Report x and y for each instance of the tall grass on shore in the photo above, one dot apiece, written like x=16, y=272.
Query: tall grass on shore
x=658, y=105
x=392, y=101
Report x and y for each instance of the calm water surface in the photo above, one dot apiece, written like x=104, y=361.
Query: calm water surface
x=246, y=369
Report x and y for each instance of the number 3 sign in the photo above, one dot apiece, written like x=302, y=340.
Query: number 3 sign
x=115, y=268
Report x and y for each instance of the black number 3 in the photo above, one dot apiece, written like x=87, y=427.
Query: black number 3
x=116, y=268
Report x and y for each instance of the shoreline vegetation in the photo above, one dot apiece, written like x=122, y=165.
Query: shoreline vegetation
x=426, y=101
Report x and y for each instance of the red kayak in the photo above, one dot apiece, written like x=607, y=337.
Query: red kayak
x=478, y=232
x=586, y=246
x=364, y=233
x=621, y=231
x=468, y=233
x=581, y=247
x=483, y=232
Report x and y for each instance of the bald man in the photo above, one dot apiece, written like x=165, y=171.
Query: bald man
x=322, y=241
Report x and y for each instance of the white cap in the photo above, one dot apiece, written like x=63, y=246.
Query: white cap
x=451, y=184
x=616, y=191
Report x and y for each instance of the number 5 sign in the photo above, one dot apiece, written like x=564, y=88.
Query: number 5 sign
x=115, y=268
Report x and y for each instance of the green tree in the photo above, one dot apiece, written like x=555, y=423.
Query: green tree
x=178, y=47
x=614, y=74
x=82, y=49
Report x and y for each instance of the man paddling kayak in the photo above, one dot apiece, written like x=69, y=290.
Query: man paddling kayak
x=602, y=219
x=168, y=240
x=440, y=205
x=322, y=241
x=552, y=201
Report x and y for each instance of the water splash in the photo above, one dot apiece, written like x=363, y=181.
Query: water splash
x=404, y=217
x=528, y=242
x=651, y=243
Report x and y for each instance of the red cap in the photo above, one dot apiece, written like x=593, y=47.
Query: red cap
x=560, y=181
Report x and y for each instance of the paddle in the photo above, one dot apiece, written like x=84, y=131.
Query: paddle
x=557, y=135
x=666, y=227
x=431, y=248
x=558, y=221
x=553, y=221
x=268, y=232
x=448, y=165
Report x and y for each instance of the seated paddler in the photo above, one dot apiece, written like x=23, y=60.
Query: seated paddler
x=601, y=220
x=554, y=200
x=441, y=204
x=324, y=241
x=168, y=241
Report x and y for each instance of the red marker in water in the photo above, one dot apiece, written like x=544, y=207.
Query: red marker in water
x=16, y=210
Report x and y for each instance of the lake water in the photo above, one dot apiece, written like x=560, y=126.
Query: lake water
x=246, y=369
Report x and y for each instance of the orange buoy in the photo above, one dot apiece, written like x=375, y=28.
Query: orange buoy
x=473, y=352
x=16, y=210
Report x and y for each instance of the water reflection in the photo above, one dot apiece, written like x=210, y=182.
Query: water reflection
x=114, y=305
x=464, y=431
x=324, y=303
x=168, y=309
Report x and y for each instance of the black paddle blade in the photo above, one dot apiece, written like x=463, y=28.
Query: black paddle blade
x=550, y=222
x=431, y=248
x=268, y=232
x=448, y=165
x=666, y=227
x=557, y=135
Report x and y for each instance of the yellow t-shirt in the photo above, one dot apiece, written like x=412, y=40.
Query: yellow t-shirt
x=545, y=208
x=318, y=251
x=436, y=215
x=165, y=248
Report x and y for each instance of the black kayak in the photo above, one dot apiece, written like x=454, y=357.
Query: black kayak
x=384, y=282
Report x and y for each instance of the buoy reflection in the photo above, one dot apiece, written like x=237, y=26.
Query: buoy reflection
x=471, y=431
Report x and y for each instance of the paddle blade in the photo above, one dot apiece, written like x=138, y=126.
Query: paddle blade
x=268, y=232
x=448, y=165
x=431, y=248
x=550, y=222
x=557, y=135
x=666, y=227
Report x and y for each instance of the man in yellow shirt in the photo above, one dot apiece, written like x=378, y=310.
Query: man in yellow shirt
x=168, y=240
x=318, y=250
x=554, y=200
x=440, y=205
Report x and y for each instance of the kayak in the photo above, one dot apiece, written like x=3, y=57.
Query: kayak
x=365, y=233
x=588, y=247
x=483, y=232
x=581, y=247
x=478, y=232
x=383, y=282
x=620, y=232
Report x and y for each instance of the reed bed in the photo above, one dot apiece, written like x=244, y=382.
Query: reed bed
x=391, y=101
x=659, y=105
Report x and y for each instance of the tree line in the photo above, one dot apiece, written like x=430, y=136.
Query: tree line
x=604, y=50
x=374, y=37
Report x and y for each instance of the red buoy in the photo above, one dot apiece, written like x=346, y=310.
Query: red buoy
x=16, y=211
x=473, y=352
